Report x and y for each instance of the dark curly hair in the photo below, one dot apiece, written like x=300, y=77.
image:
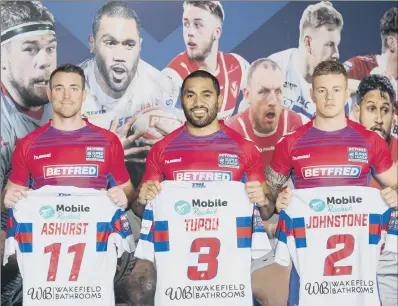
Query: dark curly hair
x=376, y=82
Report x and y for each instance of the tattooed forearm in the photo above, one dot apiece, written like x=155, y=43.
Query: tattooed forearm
x=274, y=183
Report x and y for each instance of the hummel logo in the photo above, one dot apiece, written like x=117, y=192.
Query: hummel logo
x=301, y=157
x=42, y=156
x=171, y=161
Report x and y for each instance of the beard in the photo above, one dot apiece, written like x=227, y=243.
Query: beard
x=28, y=95
x=204, y=54
x=112, y=83
x=202, y=122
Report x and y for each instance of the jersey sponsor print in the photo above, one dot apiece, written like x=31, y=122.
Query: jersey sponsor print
x=67, y=241
x=211, y=227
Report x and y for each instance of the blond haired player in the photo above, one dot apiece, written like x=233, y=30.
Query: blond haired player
x=202, y=30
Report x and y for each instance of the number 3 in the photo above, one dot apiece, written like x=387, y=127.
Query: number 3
x=330, y=268
x=210, y=258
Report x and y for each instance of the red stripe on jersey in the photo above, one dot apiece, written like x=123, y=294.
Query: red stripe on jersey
x=103, y=236
x=10, y=222
x=244, y=232
x=375, y=229
x=159, y=236
x=299, y=232
x=23, y=237
x=282, y=227
x=117, y=225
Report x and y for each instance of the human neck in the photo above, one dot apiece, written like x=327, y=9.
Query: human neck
x=104, y=86
x=391, y=62
x=303, y=65
x=210, y=62
x=16, y=97
x=330, y=124
x=203, y=131
x=68, y=124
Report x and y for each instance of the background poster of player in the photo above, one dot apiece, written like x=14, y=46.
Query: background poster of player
x=135, y=55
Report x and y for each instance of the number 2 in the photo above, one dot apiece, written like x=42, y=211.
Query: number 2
x=210, y=258
x=330, y=269
x=55, y=250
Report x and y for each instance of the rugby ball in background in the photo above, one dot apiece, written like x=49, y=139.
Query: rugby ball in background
x=147, y=120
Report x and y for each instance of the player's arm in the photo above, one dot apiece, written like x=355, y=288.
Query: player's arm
x=385, y=172
x=16, y=187
x=354, y=73
x=256, y=187
x=278, y=171
x=150, y=185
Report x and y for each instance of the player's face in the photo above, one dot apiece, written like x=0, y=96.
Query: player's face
x=330, y=94
x=376, y=113
x=67, y=94
x=324, y=45
x=201, y=30
x=200, y=102
x=117, y=46
x=28, y=64
x=264, y=95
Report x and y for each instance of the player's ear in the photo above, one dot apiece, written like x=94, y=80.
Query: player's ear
x=356, y=111
x=308, y=43
x=220, y=100
x=392, y=43
x=218, y=32
x=91, y=42
x=246, y=95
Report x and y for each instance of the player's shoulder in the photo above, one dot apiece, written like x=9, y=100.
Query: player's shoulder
x=229, y=57
x=360, y=60
x=27, y=140
x=283, y=55
x=177, y=60
x=369, y=135
x=244, y=143
x=110, y=136
x=159, y=146
x=291, y=114
x=291, y=137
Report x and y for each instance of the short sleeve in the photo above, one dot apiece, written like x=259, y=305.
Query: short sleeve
x=153, y=172
x=145, y=247
x=119, y=173
x=19, y=169
x=281, y=162
x=253, y=168
x=382, y=160
x=122, y=234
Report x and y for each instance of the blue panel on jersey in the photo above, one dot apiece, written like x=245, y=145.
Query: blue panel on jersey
x=161, y=226
x=102, y=246
x=294, y=287
x=25, y=227
x=374, y=239
x=103, y=227
x=374, y=218
x=111, y=181
x=281, y=235
x=386, y=217
x=301, y=242
x=298, y=222
x=25, y=247
x=148, y=237
x=147, y=215
x=243, y=221
x=245, y=242
x=161, y=246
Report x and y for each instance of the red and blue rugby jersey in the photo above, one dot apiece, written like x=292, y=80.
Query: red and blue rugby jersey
x=90, y=157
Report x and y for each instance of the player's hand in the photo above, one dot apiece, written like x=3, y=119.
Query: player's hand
x=149, y=190
x=256, y=193
x=130, y=154
x=389, y=196
x=118, y=196
x=282, y=202
x=14, y=194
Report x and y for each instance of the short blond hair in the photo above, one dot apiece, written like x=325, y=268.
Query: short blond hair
x=319, y=15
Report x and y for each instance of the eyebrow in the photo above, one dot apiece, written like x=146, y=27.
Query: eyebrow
x=37, y=42
x=384, y=103
x=62, y=85
x=195, y=19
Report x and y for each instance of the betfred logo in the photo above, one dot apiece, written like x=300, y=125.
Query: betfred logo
x=338, y=171
x=70, y=171
x=202, y=175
